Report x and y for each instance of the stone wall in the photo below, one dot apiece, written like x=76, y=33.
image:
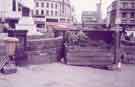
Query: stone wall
x=41, y=51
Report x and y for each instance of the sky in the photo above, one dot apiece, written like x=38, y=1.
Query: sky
x=86, y=5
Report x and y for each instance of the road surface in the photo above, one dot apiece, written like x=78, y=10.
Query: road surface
x=60, y=75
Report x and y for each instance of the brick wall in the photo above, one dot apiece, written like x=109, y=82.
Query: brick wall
x=41, y=51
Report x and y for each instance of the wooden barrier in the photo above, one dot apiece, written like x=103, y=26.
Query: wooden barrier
x=99, y=51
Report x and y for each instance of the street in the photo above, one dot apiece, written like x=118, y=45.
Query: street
x=60, y=75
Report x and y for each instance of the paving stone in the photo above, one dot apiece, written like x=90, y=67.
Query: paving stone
x=60, y=75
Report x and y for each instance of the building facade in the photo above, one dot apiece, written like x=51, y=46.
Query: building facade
x=18, y=15
x=92, y=18
x=121, y=13
x=89, y=17
x=47, y=12
x=10, y=12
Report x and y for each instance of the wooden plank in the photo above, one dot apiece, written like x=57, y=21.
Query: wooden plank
x=90, y=50
x=90, y=63
x=89, y=54
x=90, y=59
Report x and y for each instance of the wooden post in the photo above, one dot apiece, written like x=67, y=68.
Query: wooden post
x=64, y=48
x=117, y=47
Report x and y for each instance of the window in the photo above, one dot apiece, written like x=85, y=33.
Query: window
x=132, y=5
x=47, y=12
x=14, y=5
x=47, y=5
x=42, y=12
x=125, y=4
x=51, y=13
x=19, y=7
x=41, y=25
x=124, y=14
x=56, y=13
x=37, y=4
x=62, y=20
x=132, y=15
x=124, y=21
x=37, y=12
x=25, y=11
x=51, y=5
x=42, y=4
x=132, y=21
x=56, y=6
x=51, y=20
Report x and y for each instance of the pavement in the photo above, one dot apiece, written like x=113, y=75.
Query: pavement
x=60, y=75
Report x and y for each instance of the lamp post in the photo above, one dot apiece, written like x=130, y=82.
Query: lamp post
x=117, y=59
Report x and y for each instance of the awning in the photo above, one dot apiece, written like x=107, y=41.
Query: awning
x=27, y=3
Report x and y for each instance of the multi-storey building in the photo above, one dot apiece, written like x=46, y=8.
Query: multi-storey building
x=92, y=18
x=18, y=15
x=89, y=17
x=121, y=13
x=47, y=12
x=10, y=12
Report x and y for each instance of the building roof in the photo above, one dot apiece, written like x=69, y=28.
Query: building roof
x=27, y=3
